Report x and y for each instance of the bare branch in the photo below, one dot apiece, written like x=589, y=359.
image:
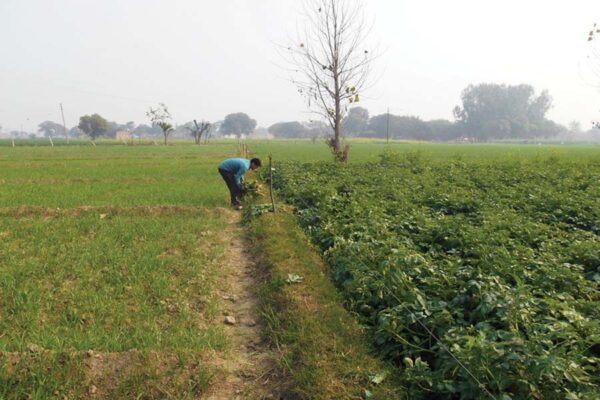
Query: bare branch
x=331, y=63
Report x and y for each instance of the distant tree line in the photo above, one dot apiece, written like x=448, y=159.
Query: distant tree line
x=95, y=126
x=487, y=112
x=303, y=130
x=491, y=111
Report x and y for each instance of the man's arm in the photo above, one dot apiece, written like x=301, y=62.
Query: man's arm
x=239, y=177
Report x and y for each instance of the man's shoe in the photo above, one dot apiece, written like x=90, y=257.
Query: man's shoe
x=238, y=207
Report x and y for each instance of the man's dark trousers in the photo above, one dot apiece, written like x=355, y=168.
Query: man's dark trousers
x=234, y=190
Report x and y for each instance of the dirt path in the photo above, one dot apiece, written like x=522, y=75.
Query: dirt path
x=247, y=370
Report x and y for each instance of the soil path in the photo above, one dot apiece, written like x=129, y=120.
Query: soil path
x=247, y=369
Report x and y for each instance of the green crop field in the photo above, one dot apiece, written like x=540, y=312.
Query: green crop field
x=494, y=253
x=109, y=257
x=112, y=259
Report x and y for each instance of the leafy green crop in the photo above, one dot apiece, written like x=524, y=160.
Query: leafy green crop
x=252, y=190
x=501, y=261
x=254, y=211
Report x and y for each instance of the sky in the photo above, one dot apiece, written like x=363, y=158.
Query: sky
x=206, y=58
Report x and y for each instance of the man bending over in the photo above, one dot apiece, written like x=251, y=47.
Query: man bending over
x=232, y=170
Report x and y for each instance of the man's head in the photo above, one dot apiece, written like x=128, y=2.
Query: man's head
x=255, y=163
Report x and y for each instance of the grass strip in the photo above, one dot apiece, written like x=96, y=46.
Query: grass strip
x=321, y=348
x=103, y=212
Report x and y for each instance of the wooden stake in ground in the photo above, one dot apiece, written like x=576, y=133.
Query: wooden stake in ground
x=271, y=183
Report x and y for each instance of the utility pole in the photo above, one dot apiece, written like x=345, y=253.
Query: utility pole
x=273, y=209
x=64, y=124
x=388, y=126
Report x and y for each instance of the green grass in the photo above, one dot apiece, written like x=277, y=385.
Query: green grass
x=113, y=284
x=62, y=142
x=139, y=375
x=112, y=175
x=126, y=267
x=135, y=285
x=369, y=150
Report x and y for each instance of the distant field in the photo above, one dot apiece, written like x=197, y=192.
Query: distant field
x=112, y=175
x=362, y=150
x=184, y=174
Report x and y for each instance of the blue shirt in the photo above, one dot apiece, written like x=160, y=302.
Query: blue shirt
x=237, y=166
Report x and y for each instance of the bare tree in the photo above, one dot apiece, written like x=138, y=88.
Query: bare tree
x=161, y=117
x=198, y=130
x=332, y=62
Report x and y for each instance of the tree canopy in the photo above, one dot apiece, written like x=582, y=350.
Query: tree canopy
x=401, y=127
x=161, y=117
x=147, y=130
x=292, y=129
x=93, y=125
x=51, y=129
x=492, y=111
x=443, y=130
x=356, y=123
x=237, y=124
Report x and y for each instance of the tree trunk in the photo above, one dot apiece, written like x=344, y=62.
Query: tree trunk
x=337, y=145
x=336, y=127
x=165, y=133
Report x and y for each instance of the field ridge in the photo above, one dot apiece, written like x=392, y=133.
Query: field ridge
x=246, y=367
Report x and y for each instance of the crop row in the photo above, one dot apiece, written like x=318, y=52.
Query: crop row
x=499, y=261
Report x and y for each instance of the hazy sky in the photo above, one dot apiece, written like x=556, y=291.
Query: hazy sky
x=208, y=58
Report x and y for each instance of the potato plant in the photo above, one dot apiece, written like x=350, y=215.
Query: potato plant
x=499, y=260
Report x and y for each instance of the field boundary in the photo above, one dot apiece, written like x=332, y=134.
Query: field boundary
x=100, y=374
x=245, y=369
x=107, y=211
x=322, y=350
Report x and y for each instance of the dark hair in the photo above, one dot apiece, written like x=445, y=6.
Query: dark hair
x=256, y=161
